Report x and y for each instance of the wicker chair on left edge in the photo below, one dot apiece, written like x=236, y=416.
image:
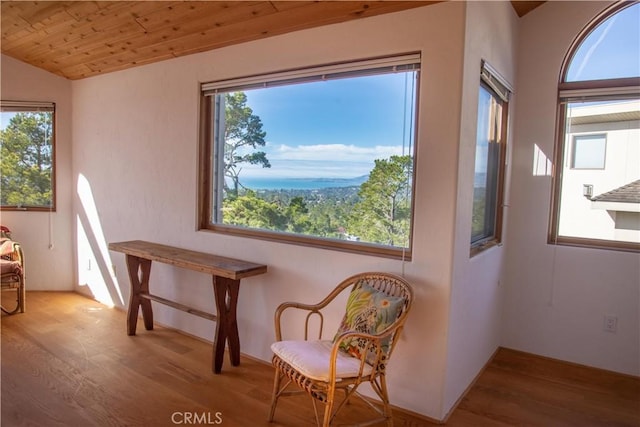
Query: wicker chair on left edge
x=376, y=311
x=12, y=277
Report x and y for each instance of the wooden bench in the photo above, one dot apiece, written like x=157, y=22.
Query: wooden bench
x=226, y=273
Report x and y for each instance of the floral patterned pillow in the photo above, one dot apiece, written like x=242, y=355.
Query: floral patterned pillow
x=369, y=311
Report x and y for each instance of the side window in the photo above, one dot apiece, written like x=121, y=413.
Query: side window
x=596, y=199
x=320, y=156
x=491, y=139
x=27, y=155
x=589, y=151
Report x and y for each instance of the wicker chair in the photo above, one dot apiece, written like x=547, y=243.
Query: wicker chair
x=12, y=277
x=377, y=308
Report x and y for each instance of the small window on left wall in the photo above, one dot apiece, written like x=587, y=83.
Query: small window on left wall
x=27, y=155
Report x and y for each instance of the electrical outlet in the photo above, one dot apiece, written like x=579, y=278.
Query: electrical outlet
x=610, y=323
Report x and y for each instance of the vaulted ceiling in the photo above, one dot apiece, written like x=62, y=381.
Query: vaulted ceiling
x=77, y=39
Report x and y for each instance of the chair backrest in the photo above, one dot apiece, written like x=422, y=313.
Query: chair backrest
x=378, y=303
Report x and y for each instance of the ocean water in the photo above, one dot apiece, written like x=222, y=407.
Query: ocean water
x=300, y=183
x=319, y=183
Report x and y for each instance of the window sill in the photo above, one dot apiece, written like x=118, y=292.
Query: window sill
x=315, y=242
x=483, y=246
x=579, y=242
x=27, y=209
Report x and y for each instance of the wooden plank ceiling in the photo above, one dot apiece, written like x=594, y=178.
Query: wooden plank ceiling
x=77, y=39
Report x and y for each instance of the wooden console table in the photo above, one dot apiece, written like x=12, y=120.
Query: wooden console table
x=226, y=273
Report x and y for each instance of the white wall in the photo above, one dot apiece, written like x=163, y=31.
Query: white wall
x=135, y=155
x=476, y=293
x=47, y=268
x=557, y=296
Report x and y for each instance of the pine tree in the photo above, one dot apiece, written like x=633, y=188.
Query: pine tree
x=26, y=155
x=242, y=134
x=383, y=213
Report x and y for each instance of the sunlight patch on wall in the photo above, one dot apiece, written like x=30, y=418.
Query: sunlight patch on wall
x=94, y=263
x=88, y=273
x=541, y=163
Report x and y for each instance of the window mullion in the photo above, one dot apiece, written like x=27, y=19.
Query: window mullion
x=218, y=157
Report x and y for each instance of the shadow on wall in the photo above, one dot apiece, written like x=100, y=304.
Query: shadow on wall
x=94, y=264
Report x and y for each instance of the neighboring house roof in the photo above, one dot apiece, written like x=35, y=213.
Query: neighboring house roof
x=624, y=116
x=629, y=193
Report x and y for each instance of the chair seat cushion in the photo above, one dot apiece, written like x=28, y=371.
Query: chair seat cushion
x=10, y=267
x=311, y=358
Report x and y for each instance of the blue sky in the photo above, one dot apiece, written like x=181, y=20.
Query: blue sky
x=5, y=118
x=612, y=50
x=333, y=128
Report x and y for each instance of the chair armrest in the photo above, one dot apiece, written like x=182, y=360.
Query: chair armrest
x=11, y=250
x=373, y=347
x=17, y=253
x=311, y=308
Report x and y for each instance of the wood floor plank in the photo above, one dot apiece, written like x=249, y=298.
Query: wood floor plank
x=69, y=362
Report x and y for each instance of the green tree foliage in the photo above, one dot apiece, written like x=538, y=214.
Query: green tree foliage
x=249, y=210
x=479, y=213
x=383, y=213
x=297, y=215
x=379, y=212
x=321, y=213
x=242, y=135
x=330, y=214
x=26, y=155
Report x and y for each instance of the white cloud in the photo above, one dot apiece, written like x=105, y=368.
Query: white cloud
x=320, y=160
x=332, y=152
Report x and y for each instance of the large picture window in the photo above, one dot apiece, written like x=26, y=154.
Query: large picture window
x=320, y=156
x=491, y=139
x=596, y=199
x=27, y=135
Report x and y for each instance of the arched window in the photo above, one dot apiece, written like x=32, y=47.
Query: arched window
x=596, y=199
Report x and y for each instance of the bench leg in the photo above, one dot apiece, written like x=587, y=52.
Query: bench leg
x=139, y=270
x=226, y=295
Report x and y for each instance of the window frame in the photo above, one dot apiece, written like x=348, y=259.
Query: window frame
x=616, y=89
x=29, y=107
x=500, y=90
x=207, y=182
x=583, y=137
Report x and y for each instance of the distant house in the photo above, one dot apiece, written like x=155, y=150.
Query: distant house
x=623, y=205
x=601, y=173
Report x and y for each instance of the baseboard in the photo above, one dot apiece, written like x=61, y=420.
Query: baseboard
x=595, y=370
x=412, y=414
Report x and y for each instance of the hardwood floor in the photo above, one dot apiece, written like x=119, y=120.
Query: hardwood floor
x=69, y=362
x=525, y=390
